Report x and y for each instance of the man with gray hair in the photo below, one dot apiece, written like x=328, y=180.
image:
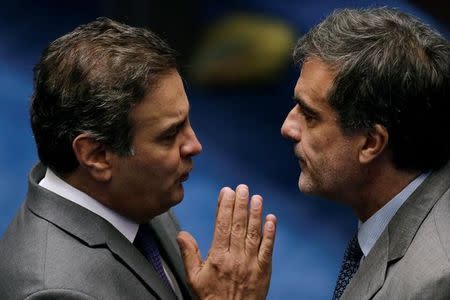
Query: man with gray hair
x=372, y=102
x=111, y=122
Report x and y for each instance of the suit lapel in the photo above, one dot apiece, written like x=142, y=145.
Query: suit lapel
x=396, y=238
x=166, y=228
x=91, y=230
x=137, y=263
x=371, y=274
x=413, y=212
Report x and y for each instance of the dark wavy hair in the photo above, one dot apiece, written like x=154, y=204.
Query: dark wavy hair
x=87, y=81
x=391, y=70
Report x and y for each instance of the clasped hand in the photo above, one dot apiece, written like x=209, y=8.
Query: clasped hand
x=239, y=263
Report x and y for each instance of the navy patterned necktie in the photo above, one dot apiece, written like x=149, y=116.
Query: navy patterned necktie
x=147, y=245
x=350, y=264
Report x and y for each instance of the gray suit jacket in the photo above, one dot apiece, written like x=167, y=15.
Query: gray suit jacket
x=56, y=249
x=411, y=259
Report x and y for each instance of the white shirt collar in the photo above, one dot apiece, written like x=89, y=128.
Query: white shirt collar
x=58, y=186
x=371, y=229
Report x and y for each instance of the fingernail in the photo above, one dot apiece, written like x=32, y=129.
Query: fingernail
x=229, y=194
x=269, y=225
x=242, y=191
x=256, y=202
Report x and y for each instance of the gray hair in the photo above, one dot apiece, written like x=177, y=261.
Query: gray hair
x=391, y=69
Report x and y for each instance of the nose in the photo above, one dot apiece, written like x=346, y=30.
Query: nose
x=291, y=126
x=192, y=145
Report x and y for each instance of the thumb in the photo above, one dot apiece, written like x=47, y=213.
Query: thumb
x=191, y=254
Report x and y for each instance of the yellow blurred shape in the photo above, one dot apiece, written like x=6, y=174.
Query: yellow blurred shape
x=242, y=48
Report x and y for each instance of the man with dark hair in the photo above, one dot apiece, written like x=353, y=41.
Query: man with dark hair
x=111, y=122
x=372, y=101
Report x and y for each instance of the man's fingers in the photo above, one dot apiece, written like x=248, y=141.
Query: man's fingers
x=253, y=238
x=222, y=229
x=266, y=247
x=239, y=225
x=191, y=254
x=219, y=200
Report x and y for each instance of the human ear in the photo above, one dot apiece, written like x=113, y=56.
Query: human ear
x=92, y=156
x=374, y=143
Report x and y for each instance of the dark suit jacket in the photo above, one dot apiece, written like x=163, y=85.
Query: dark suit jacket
x=411, y=259
x=56, y=249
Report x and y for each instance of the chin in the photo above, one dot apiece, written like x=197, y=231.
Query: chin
x=177, y=195
x=301, y=183
x=305, y=186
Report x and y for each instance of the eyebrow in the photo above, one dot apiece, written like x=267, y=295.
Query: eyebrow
x=306, y=109
x=178, y=124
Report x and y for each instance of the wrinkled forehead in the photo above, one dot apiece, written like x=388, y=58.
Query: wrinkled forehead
x=315, y=81
x=166, y=103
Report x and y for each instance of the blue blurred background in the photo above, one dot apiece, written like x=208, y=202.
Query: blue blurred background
x=239, y=87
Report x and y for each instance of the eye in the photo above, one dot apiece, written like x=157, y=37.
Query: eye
x=172, y=134
x=309, y=115
x=308, y=118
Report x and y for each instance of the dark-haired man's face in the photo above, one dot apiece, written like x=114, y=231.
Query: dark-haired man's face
x=327, y=158
x=149, y=182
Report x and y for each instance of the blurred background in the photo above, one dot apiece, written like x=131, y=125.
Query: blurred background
x=239, y=76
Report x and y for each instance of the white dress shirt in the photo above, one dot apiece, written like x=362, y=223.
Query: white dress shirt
x=371, y=229
x=125, y=226
x=58, y=186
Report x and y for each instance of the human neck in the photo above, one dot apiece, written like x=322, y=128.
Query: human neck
x=81, y=180
x=383, y=184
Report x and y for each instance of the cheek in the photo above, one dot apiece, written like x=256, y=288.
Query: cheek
x=323, y=152
x=342, y=157
x=314, y=146
x=164, y=164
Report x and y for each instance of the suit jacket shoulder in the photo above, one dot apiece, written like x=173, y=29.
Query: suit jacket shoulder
x=55, y=247
x=411, y=259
